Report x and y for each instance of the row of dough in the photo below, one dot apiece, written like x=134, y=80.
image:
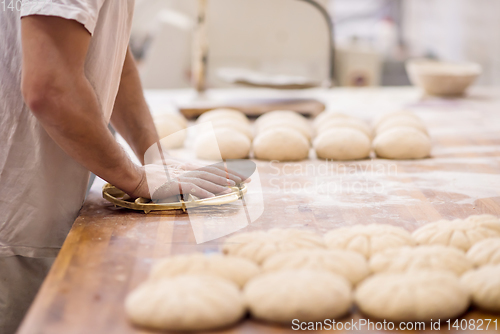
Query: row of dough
x=286, y=136
x=293, y=274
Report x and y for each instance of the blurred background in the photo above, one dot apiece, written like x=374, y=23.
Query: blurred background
x=261, y=38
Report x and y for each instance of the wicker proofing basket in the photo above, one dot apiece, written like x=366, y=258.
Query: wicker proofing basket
x=121, y=199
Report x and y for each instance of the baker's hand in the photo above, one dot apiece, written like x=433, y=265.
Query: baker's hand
x=162, y=181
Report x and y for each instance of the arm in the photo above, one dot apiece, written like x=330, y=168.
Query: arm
x=58, y=93
x=131, y=116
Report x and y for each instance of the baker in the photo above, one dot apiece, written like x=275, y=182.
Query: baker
x=65, y=72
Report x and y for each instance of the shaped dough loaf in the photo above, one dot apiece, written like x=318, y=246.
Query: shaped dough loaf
x=368, y=239
x=342, y=144
x=396, y=114
x=402, y=121
x=327, y=116
x=485, y=252
x=484, y=285
x=229, y=144
x=280, y=115
x=351, y=123
x=412, y=296
x=402, y=143
x=435, y=257
x=232, y=268
x=350, y=265
x=186, y=303
x=304, y=129
x=223, y=113
x=281, y=144
x=258, y=246
x=458, y=233
x=307, y=295
x=232, y=124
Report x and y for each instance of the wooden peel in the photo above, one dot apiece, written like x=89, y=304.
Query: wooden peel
x=254, y=107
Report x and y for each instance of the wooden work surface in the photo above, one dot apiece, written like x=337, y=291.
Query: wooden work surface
x=109, y=251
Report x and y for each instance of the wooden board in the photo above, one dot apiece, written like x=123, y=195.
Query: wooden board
x=109, y=251
x=254, y=107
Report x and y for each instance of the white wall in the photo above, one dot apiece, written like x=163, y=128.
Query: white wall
x=456, y=30
x=273, y=36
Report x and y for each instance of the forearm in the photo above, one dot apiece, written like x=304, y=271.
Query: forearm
x=131, y=116
x=73, y=119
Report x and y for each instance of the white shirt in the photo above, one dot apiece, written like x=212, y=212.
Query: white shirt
x=41, y=188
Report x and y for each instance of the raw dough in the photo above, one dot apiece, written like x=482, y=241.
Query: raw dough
x=412, y=296
x=327, y=116
x=485, y=252
x=458, y=233
x=178, y=118
x=368, y=239
x=342, y=144
x=348, y=264
x=484, y=286
x=186, y=303
x=401, y=121
x=223, y=113
x=402, y=143
x=379, y=120
x=307, y=295
x=280, y=115
x=233, y=125
x=346, y=123
x=232, y=268
x=258, y=246
x=304, y=129
x=231, y=145
x=281, y=144
x=172, y=134
x=434, y=257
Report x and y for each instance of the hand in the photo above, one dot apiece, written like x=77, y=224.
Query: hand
x=175, y=178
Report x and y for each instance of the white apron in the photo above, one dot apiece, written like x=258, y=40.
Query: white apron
x=41, y=188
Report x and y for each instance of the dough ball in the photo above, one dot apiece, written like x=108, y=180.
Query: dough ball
x=342, y=144
x=484, y=286
x=307, y=295
x=233, y=125
x=368, y=239
x=223, y=113
x=170, y=116
x=186, y=303
x=485, y=252
x=437, y=257
x=232, y=268
x=327, y=116
x=412, y=296
x=402, y=143
x=281, y=144
x=379, y=120
x=461, y=234
x=304, y=129
x=351, y=123
x=350, y=265
x=231, y=144
x=172, y=134
x=402, y=121
x=280, y=115
x=258, y=246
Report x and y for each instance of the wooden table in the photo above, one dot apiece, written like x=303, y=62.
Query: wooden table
x=109, y=251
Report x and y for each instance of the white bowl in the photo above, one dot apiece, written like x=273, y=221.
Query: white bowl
x=442, y=78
